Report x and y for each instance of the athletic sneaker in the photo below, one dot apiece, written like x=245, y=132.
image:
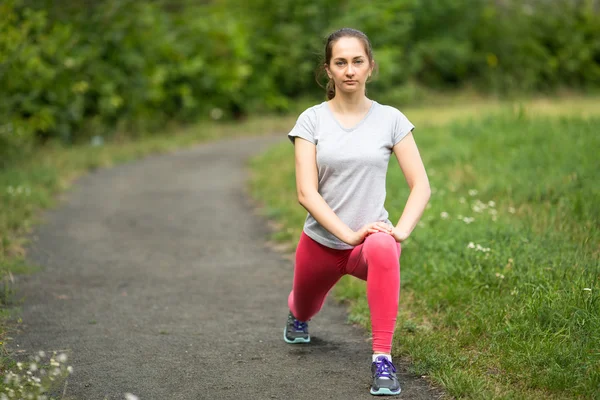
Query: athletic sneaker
x=385, y=381
x=295, y=331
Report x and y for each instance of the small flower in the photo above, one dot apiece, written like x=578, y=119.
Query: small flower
x=444, y=215
x=42, y=354
x=511, y=210
x=70, y=369
x=129, y=396
x=468, y=220
x=216, y=113
x=492, y=203
x=33, y=367
x=62, y=358
x=471, y=245
x=20, y=365
x=473, y=192
x=587, y=289
x=499, y=275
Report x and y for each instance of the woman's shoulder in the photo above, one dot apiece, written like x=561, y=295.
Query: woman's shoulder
x=315, y=109
x=390, y=110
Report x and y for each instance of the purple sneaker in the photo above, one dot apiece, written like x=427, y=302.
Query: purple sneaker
x=385, y=381
x=296, y=331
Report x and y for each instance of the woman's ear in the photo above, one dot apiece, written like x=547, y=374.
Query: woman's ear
x=327, y=70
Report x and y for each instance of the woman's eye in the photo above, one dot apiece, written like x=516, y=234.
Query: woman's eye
x=358, y=61
x=339, y=63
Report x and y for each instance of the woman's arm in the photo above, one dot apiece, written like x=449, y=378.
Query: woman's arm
x=307, y=187
x=408, y=156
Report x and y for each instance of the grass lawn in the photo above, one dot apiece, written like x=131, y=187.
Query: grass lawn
x=501, y=279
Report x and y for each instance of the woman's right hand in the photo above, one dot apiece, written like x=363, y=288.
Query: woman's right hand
x=359, y=236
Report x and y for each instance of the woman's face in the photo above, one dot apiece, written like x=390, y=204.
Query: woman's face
x=350, y=66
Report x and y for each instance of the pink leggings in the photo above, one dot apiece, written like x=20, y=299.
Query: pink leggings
x=376, y=260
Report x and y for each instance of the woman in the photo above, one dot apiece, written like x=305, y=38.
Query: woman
x=342, y=148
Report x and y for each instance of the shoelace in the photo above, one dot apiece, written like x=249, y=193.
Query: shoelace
x=384, y=368
x=300, y=326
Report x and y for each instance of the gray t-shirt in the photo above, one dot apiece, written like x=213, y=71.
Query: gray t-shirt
x=352, y=164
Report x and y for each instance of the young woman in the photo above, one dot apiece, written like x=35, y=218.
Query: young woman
x=342, y=148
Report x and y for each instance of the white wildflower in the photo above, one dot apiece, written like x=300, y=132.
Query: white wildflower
x=471, y=245
x=129, y=396
x=3, y=396
x=70, y=369
x=216, y=113
x=20, y=365
x=473, y=192
x=444, y=215
x=587, y=289
x=33, y=367
x=511, y=210
x=62, y=358
x=42, y=354
x=492, y=203
x=468, y=220
x=499, y=275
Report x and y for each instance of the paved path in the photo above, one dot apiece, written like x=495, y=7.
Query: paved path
x=158, y=282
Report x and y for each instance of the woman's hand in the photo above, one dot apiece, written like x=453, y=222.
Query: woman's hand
x=399, y=235
x=373, y=227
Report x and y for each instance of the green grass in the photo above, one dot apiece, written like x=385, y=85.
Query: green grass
x=515, y=321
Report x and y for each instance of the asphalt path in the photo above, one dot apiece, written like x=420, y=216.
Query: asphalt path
x=157, y=280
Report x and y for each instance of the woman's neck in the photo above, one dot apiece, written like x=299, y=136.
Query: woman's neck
x=350, y=104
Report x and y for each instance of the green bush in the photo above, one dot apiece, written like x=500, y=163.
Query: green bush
x=70, y=72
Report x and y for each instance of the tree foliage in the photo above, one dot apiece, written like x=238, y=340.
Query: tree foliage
x=70, y=71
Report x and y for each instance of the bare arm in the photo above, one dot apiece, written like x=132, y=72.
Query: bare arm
x=307, y=187
x=408, y=156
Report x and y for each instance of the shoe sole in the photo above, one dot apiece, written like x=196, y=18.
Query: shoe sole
x=295, y=341
x=384, y=392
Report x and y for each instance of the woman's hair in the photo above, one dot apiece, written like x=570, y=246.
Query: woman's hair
x=331, y=39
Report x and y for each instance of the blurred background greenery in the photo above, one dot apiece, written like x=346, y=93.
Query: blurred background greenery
x=70, y=71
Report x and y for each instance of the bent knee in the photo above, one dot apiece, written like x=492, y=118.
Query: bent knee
x=380, y=242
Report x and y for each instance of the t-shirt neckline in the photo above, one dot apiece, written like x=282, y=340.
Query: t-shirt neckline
x=358, y=124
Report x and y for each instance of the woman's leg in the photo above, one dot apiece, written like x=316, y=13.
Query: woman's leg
x=376, y=260
x=317, y=269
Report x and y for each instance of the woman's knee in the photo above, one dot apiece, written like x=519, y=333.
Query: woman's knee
x=381, y=241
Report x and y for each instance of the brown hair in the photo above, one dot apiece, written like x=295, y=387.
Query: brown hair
x=331, y=39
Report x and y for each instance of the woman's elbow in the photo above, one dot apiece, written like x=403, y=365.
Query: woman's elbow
x=303, y=197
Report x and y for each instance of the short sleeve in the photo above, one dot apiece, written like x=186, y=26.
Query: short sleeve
x=402, y=127
x=305, y=127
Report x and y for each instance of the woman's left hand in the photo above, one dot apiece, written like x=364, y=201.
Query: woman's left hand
x=399, y=235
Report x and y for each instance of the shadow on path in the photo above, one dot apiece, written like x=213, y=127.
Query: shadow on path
x=157, y=281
